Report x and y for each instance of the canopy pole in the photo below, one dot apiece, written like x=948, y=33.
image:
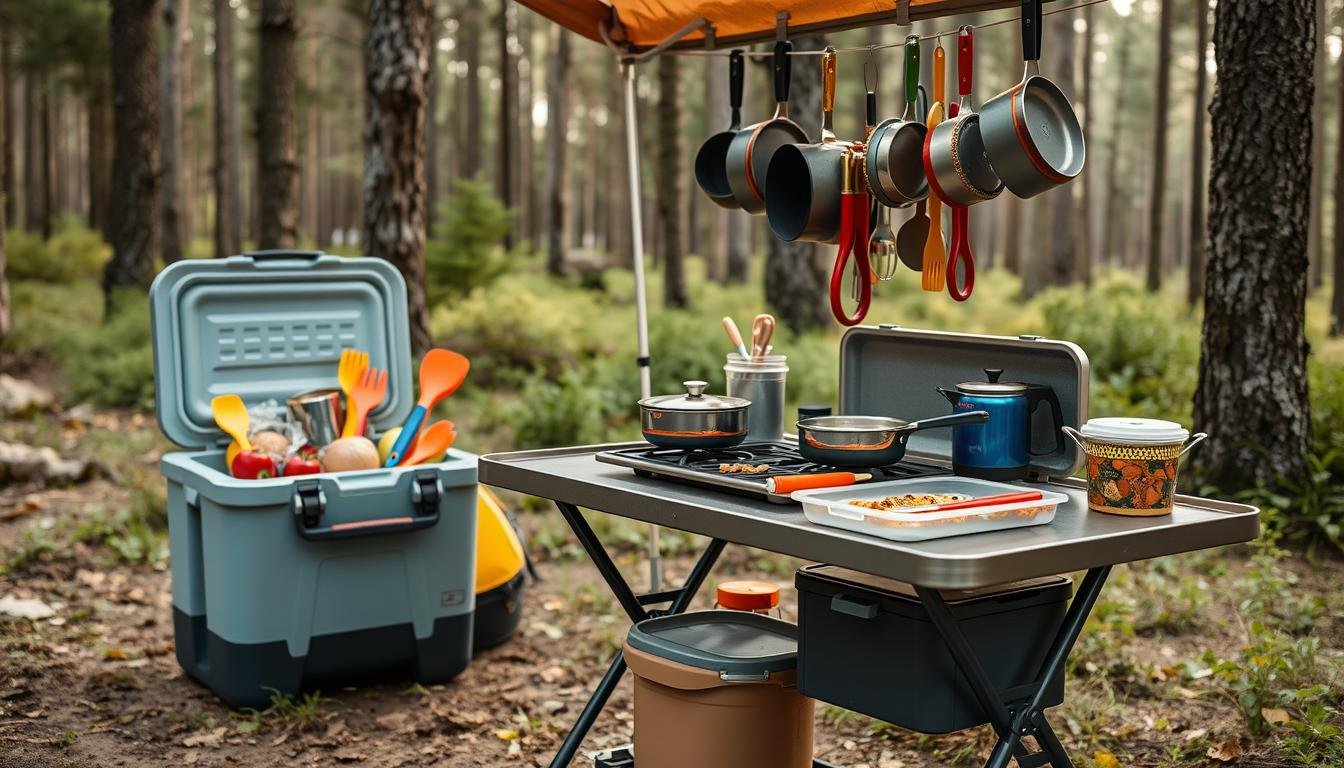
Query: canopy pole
x=641, y=295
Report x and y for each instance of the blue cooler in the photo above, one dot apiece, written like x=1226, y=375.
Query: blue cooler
x=318, y=580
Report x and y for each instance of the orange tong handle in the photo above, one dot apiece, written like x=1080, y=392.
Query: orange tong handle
x=985, y=501
x=961, y=252
x=853, y=243
x=786, y=484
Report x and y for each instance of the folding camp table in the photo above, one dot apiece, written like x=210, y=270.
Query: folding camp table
x=1077, y=540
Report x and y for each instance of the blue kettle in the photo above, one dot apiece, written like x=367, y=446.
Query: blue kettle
x=1000, y=449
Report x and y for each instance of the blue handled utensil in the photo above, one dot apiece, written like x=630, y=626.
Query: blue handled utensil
x=441, y=373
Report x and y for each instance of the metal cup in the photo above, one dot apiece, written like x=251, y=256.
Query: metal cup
x=320, y=412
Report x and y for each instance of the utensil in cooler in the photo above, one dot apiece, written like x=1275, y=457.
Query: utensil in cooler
x=1031, y=132
x=441, y=373
x=893, y=169
x=367, y=394
x=935, y=253
x=805, y=180
x=853, y=244
x=231, y=415
x=432, y=443
x=752, y=148
x=735, y=336
x=867, y=441
x=954, y=157
x=961, y=262
x=352, y=365
x=320, y=413
x=711, y=162
x=694, y=420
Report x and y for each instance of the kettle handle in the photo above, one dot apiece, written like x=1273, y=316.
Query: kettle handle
x=1036, y=394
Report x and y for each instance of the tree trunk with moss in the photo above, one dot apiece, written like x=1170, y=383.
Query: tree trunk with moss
x=1252, y=393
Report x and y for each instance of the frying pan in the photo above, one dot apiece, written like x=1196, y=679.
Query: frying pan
x=1031, y=133
x=867, y=441
x=894, y=171
x=959, y=172
x=803, y=202
x=752, y=148
x=711, y=162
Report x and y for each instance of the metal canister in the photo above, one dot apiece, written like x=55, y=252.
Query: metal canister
x=760, y=380
x=320, y=412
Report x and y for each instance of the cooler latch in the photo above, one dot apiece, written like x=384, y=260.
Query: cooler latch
x=426, y=494
x=309, y=504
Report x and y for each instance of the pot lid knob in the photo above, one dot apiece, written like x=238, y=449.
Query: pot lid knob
x=695, y=388
x=993, y=374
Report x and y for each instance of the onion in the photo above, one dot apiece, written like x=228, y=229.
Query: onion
x=349, y=454
x=270, y=441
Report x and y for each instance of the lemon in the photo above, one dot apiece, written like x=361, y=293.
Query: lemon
x=386, y=442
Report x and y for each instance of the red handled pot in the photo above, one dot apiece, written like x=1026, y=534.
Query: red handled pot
x=853, y=243
x=954, y=157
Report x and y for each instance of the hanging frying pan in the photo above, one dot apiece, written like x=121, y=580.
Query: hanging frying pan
x=711, y=162
x=1031, y=133
x=752, y=148
x=893, y=169
x=804, y=180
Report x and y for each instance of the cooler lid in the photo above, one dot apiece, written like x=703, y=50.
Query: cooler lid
x=734, y=642
x=269, y=325
x=887, y=370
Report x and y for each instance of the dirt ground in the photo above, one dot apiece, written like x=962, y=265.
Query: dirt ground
x=98, y=684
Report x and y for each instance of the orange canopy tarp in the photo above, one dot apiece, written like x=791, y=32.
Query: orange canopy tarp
x=646, y=23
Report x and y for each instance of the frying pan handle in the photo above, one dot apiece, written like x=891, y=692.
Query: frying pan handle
x=911, y=70
x=783, y=71
x=736, y=75
x=965, y=60
x=870, y=112
x=1032, y=20
x=961, y=252
x=827, y=95
x=953, y=420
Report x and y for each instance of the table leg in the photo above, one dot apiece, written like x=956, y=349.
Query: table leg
x=634, y=608
x=1013, y=720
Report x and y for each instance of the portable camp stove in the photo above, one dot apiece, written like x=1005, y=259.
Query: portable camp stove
x=701, y=467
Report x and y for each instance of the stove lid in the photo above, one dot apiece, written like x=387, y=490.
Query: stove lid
x=887, y=370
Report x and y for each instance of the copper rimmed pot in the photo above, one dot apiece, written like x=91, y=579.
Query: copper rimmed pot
x=694, y=420
x=805, y=179
x=1031, y=133
x=867, y=441
x=752, y=148
x=958, y=169
x=893, y=162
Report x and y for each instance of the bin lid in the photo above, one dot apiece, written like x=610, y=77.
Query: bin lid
x=892, y=371
x=731, y=642
x=269, y=325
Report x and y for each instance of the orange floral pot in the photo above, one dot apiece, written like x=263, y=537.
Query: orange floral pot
x=1132, y=464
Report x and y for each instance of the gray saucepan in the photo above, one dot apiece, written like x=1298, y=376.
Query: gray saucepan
x=867, y=441
x=711, y=162
x=803, y=201
x=894, y=164
x=752, y=148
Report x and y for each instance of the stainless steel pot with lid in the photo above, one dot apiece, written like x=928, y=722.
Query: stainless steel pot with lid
x=695, y=419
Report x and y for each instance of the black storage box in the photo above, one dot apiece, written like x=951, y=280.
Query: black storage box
x=867, y=644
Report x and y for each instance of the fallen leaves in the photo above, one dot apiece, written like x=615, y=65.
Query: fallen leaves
x=25, y=608
x=211, y=738
x=1275, y=716
x=1105, y=759
x=1225, y=751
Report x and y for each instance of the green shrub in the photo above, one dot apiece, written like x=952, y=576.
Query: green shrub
x=465, y=253
x=1309, y=511
x=73, y=253
x=112, y=364
x=553, y=413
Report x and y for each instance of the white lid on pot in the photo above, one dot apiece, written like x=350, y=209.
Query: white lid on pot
x=1134, y=431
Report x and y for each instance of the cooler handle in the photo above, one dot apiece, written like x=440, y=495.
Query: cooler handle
x=744, y=677
x=842, y=604
x=310, y=503
x=277, y=256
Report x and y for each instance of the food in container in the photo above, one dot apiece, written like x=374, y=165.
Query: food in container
x=1132, y=463
x=694, y=420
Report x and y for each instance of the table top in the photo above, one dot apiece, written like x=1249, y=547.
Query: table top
x=1077, y=539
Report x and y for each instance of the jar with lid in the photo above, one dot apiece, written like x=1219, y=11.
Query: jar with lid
x=760, y=380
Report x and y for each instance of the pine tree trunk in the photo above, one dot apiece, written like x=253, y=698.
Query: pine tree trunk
x=134, y=213
x=5, y=159
x=7, y=185
x=670, y=187
x=526, y=178
x=557, y=151
x=187, y=145
x=1061, y=252
x=100, y=154
x=311, y=156
x=228, y=160
x=1086, y=234
x=470, y=38
x=277, y=158
x=1337, y=265
x=175, y=25
x=432, y=85
x=45, y=157
x=797, y=275
x=1157, y=198
x=506, y=137
x=1194, y=287
x=1315, y=250
x=1113, y=229
x=397, y=67
x=1252, y=393
x=34, y=215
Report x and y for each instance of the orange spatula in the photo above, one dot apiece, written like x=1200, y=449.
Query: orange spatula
x=432, y=443
x=441, y=373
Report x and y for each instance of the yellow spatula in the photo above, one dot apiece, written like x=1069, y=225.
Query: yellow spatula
x=231, y=416
x=934, y=276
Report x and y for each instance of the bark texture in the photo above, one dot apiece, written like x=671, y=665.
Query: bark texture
x=175, y=25
x=1194, y=287
x=228, y=174
x=1113, y=210
x=134, y=219
x=671, y=187
x=277, y=158
x=1157, y=198
x=557, y=150
x=7, y=107
x=506, y=137
x=1315, y=249
x=797, y=275
x=1061, y=253
x=1252, y=393
x=1337, y=256
x=5, y=159
x=100, y=155
x=396, y=60
x=470, y=38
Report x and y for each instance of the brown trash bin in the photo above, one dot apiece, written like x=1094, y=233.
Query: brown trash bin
x=718, y=689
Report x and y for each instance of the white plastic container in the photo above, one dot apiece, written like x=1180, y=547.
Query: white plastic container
x=833, y=507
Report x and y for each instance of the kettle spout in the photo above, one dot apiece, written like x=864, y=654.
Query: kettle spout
x=951, y=395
